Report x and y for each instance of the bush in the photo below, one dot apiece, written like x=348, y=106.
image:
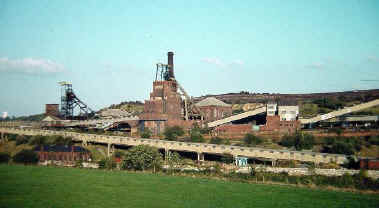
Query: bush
x=172, y=133
x=196, y=136
x=4, y=157
x=107, y=163
x=38, y=140
x=216, y=140
x=340, y=148
x=142, y=157
x=20, y=139
x=26, y=157
x=60, y=140
x=146, y=133
x=330, y=140
x=252, y=140
x=298, y=140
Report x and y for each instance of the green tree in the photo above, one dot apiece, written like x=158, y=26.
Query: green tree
x=298, y=140
x=173, y=160
x=196, y=136
x=26, y=156
x=142, y=157
x=172, y=133
x=252, y=140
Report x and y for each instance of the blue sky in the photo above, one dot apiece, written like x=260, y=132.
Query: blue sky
x=108, y=49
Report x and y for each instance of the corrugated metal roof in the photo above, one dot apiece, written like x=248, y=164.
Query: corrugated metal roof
x=211, y=101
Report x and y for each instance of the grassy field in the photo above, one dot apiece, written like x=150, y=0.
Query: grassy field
x=33, y=186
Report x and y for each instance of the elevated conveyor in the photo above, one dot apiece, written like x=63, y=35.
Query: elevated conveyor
x=340, y=112
x=104, y=122
x=237, y=117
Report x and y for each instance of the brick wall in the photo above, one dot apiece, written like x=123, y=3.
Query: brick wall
x=273, y=123
x=233, y=130
x=213, y=113
x=52, y=110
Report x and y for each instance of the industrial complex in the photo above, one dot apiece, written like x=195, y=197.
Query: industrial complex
x=170, y=105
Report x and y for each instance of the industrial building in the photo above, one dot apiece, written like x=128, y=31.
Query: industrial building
x=166, y=106
x=169, y=105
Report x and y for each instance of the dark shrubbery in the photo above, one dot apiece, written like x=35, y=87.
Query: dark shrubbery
x=60, y=140
x=172, y=133
x=107, y=163
x=298, y=140
x=11, y=137
x=146, y=133
x=4, y=157
x=26, y=157
x=216, y=140
x=50, y=140
x=38, y=140
x=21, y=139
x=252, y=140
x=340, y=148
x=343, y=145
x=196, y=135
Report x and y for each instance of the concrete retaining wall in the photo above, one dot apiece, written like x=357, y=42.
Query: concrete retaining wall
x=326, y=172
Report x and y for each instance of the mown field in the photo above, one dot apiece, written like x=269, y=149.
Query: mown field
x=34, y=186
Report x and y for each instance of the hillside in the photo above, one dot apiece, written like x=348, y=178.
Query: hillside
x=310, y=104
x=247, y=97
x=132, y=107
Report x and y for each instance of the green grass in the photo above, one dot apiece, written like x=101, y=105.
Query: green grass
x=34, y=186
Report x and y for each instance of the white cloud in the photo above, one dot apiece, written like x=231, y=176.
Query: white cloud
x=220, y=63
x=5, y=115
x=237, y=62
x=30, y=66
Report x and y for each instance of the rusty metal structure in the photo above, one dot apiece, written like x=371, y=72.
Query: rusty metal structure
x=69, y=101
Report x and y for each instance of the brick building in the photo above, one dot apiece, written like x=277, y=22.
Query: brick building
x=214, y=109
x=165, y=106
x=62, y=153
x=52, y=110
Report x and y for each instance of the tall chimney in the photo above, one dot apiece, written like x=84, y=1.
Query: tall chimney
x=170, y=63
